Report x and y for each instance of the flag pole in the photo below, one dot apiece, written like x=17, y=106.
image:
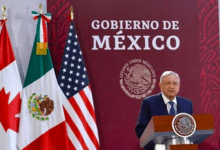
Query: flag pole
x=71, y=12
x=3, y=12
x=41, y=11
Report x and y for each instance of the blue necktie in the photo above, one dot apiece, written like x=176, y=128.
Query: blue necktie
x=172, y=111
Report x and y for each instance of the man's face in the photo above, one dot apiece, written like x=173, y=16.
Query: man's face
x=170, y=86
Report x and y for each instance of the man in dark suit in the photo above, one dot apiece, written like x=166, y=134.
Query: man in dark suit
x=165, y=103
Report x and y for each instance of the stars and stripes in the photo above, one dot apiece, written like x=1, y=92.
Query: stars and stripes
x=79, y=109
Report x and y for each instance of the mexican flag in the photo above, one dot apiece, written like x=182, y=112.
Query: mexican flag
x=42, y=122
x=10, y=91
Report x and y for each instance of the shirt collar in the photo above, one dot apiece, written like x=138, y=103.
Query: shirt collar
x=166, y=100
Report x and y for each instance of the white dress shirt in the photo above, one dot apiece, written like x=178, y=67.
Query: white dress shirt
x=166, y=101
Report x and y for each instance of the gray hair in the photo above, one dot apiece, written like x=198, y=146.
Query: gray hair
x=167, y=73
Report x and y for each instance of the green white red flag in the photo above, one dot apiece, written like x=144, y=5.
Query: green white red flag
x=42, y=122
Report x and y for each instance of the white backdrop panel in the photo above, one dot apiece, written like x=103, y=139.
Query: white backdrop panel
x=22, y=29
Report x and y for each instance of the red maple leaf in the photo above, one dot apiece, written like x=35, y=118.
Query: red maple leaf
x=8, y=111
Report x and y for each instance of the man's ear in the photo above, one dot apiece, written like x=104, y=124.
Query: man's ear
x=159, y=85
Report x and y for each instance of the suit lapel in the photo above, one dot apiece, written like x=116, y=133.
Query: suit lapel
x=163, y=105
x=179, y=106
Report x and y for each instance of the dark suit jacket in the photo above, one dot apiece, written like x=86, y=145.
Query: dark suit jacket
x=154, y=106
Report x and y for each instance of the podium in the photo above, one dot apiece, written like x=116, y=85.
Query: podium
x=159, y=130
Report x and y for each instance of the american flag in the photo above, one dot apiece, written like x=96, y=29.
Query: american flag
x=79, y=108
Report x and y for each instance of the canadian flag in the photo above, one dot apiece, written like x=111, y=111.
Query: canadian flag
x=10, y=89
